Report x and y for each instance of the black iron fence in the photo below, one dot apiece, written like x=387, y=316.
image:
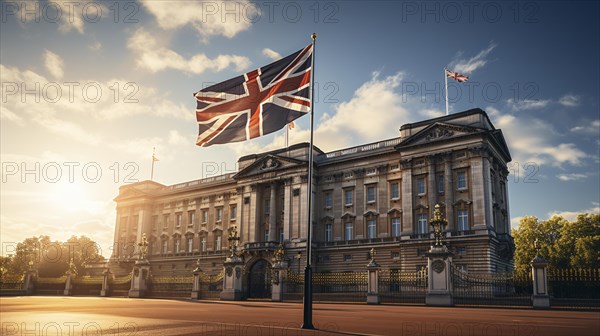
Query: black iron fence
x=211, y=286
x=87, y=285
x=120, y=286
x=503, y=289
x=574, y=288
x=402, y=287
x=50, y=286
x=170, y=286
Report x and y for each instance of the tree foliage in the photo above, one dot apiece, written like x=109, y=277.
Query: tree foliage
x=564, y=244
x=51, y=258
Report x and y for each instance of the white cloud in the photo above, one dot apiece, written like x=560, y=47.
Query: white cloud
x=272, y=54
x=527, y=104
x=69, y=14
x=154, y=57
x=533, y=140
x=515, y=221
x=209, y=18
x=572, y=215
x=95, y=46
x=6, y=114
x=468, y=66
x=54, y=64
x=569, y=100
x=590, y=128
x=432, y=113
x=375, y=112
x=571, y=177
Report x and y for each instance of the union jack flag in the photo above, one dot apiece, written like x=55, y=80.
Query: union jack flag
x=456, y=76
x=256, y=103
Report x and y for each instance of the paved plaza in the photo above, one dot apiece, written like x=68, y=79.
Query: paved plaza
x=39, y=315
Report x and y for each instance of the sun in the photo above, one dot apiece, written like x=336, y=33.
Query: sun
x=71, y=196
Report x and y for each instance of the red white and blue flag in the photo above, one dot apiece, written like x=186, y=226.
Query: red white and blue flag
x=456, y=76
x=256, y=103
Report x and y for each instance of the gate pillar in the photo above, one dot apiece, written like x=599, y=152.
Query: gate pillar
x=106, y=278
x=540, y=296
x=439, y=262
x=196, y=295
x=373, y=280
x=232, y=280
x=141, y=271
x=279, y=275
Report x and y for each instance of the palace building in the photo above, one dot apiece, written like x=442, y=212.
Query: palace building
x=379, y=195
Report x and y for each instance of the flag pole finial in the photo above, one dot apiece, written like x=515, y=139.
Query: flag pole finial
x=313, y=36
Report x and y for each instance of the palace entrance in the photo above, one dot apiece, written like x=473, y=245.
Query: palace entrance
x=259, y=280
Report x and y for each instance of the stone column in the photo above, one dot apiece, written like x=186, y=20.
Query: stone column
x=139, y=279
x=373, y=280
x=407, y=200
x=106, y=279
x=273, y=212
x=232, y=280
x=439, y=288
x=431, y=185
x=449, y=193
x=540, y=297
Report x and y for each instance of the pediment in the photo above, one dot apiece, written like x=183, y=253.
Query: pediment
x=268, y=163
x=438, y=132
x=129, y=194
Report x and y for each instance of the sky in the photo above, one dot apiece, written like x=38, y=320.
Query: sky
x=89, y=88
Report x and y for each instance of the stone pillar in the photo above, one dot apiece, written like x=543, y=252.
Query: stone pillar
x=139, y=279
x=232, y=280
x=407, y=199
x=273, y=212
x=196, y=291
x=540, y=297
x=279, y=276
x=431, y=185
x=439, y=287
x=28, y=286
x=373, y=280
x=107, y=277
x=68, y=285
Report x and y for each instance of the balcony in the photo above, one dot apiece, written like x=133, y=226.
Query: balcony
x=261, y=246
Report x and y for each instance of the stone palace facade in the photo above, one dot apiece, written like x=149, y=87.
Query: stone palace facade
x=379, y=195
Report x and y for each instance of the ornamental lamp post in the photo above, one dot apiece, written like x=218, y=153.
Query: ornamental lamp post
x=438, y=223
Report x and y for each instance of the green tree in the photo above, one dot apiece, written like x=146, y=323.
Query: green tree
x=564, y=244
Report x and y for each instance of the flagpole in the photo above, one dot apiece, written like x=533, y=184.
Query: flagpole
x=307, y=302
x=287, y=134
x=153, y=160
x=446, y=89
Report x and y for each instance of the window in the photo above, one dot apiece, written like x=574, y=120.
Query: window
x=190, y=244
x=266, y=235
x=328, y=200
x=441, y=184
x=371, y=171
x=281, y=235
x=154, y=223
x=219, y=214
x=394, y=191
x=203, y=244
x=463, y=220
x=267, y=207
x=422, y=223
x=348, y=234
x=178, y=219
x=165, y=246
x=396, y=227
x=204, y=216
x=233, y=212
x=461, y=180
x=371, y=194
x=177, y=245
x=218, y=243
x=348, y=197
x=191, y=217
x=421, y=186
x=371, y=228
x=461, y=250
x=347, y=257
x=328, y=233
x=165, y=221
x=296, y=192
x=395, y=255
x=394, y=167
